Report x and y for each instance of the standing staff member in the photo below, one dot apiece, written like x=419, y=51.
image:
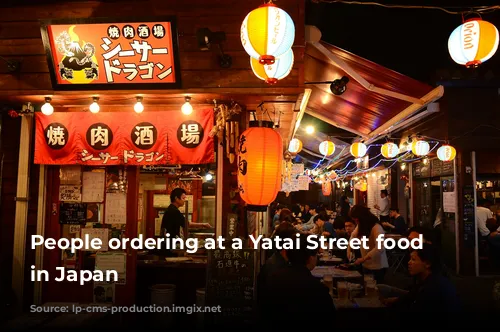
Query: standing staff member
x=173, y=220
x=383, y=207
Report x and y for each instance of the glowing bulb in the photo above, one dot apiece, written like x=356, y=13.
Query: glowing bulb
x=403, y=166
x=208, y=177
x=138, y=107
x=187, y=108
x=47, y=109
x=310, y=130
x=94, y=107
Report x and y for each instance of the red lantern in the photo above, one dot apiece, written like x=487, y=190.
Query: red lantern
x=260, y=152
x=326, y=187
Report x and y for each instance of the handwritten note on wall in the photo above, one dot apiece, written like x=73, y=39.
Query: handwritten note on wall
x=116, y=208
x=93, y=187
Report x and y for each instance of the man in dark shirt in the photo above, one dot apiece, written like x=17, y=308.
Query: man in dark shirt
x=295, y=295
x=398, y=225
x=173, y=219
x=433, y=293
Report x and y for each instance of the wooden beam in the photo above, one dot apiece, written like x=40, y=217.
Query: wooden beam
x=297, y=119
x=22, y=199
x=361, y=80
x=333, y=123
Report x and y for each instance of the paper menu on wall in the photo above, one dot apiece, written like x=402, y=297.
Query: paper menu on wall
x=449, y=202
x=303, y=182
x=93, y=187
x=99, y=233
x=70, y=193
x=116, y=208
x=297, y=169
x=70, y=175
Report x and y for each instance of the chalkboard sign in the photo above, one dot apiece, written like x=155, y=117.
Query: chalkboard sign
x=469, y=216
x=441, y=168
x=72, y=213
x=421, y=171
x=230, y=285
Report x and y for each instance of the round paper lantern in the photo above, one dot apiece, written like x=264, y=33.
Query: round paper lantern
x=272, y=73
x=259, y=165
x=420, y=148
x=267, y=33
x=327, y=148
x=326, y=188
x=473, y=42
x=446, y=153
x=363, y=187
x=358, y=150
x=389, y=150
x=295, y=145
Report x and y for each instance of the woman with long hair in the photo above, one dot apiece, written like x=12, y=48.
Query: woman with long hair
x=373, y=259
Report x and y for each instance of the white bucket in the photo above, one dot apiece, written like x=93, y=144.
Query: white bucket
x=200, y=302
x=163, y=295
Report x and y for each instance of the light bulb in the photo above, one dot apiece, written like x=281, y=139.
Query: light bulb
x=187, y=108
x=309, y=130
x=47, y=108
x=138, y=107
x=94, y=107
x=208, y=177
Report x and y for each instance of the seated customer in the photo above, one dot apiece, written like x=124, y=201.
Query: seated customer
x=432, y=293
x=295, y=296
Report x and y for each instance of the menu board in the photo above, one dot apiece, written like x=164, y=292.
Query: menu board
x=421, y=171
x=230, y=284
x=72, y=213
x=441, y=168
x=469, y=216
x=116, y=208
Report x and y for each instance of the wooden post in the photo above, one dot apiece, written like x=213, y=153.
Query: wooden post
x=40, y=230
x=219, y=190
x=21, y=220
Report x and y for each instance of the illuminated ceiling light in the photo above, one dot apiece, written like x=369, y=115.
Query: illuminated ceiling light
x=473, y=42
x=187, y=108
x=267, y=33
x=94, y=107
x=403, y=166
x=47, y=108
x=310, y=130
x=139, y=107
x=208, y=177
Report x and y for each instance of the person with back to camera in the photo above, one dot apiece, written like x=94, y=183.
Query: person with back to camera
x=296, y=296
x=373, y=259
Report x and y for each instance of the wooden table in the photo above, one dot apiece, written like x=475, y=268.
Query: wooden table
x=321, y=271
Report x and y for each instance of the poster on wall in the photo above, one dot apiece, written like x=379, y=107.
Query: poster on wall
x=112, y=54
x=116, y=208
x=70, y=175
x=68, y=193
x=93, y=186
x=124, y=138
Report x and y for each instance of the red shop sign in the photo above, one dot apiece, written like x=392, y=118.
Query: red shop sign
x=112, y=54
x=124, y=138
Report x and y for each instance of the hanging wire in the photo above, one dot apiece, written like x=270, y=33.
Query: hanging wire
x=452, y=10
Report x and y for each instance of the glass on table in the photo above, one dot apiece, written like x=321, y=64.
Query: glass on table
x=371, y=289
x=328, y=282
x=342, y=291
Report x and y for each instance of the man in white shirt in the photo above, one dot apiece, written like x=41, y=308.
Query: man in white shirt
x=384, y=206
x=483, y=214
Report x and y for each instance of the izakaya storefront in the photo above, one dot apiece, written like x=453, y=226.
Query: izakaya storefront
x=110, y=168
